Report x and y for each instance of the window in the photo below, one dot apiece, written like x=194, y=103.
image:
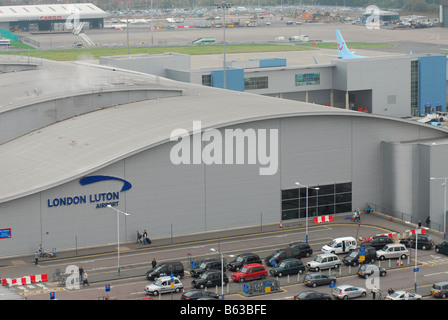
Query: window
x=327, y=199
x=307, y=79
x=207, y=80
x=255, y=83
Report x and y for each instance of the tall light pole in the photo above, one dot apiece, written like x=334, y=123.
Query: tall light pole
x=223, y=5
x=444, y=203
x=306, y=220
x=222, y=270
x=118, y=231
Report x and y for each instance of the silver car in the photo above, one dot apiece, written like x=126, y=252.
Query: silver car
x=347, y=292
x=164, y=284
x=393, y=251
x=324, y=261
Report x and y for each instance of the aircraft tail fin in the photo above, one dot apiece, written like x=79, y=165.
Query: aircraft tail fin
x=343, y=52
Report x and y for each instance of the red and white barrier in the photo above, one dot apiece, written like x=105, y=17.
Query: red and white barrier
x=322, y=219
x=390, y=235
x=417, y=231
x=24, y=280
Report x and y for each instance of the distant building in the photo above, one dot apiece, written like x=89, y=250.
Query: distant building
x=397, y=86
x=36, y=18
x=443, y=16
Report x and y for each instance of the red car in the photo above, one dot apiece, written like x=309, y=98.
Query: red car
x=250, y=272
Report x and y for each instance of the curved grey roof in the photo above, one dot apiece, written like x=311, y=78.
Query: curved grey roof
x=72, y=148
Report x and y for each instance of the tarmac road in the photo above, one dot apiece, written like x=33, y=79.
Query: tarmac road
x=101, y=263
x=428, y=40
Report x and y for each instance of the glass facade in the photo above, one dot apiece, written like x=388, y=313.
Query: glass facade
x=307, y=79
x=255, y=83
x=414, y=88
x=322, y=200
x=207, y=80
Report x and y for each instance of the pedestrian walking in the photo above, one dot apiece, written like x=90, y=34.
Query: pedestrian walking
x=428, y=221
x=139, y=237
x=81, y=273
x=390, y=291
x=374, y=290
x=85, y=279
x=153, y=263
x=36, y=257
x=146, y=239
x=419, y=224
x=145, y=234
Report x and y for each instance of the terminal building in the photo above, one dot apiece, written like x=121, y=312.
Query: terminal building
x=184, y=158
x=398, y=86
x=51, y=17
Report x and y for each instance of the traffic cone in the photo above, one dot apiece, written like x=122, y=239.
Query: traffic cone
x=281, y=224
x=399, y=262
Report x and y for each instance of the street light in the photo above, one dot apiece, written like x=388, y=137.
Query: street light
x=224, y=6
x=222, y=270
x=118, y=231
x=306, y=220
x=444, y=203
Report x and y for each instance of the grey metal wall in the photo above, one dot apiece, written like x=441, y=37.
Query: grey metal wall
x=189, y=198
x=388, y=78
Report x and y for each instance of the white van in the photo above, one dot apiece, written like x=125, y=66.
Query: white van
x=340, y=245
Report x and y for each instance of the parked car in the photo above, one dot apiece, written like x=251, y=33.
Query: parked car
x=166, y=269
x=249, y=272
x=242, y=259
x=440, y=289
x=207, y=265
x=424, y=241
x=401, y=295
x=378, y=242
x=340, y=245
x=442, y=247
x=210, y=278
x=324, y=261
x=348, y=292
x=367, y=270
x=312, y=295
x=164, y=285
x=305, y=249
x=294, y=250
x=354, y=257
x=315, y=279
x=288, y=266
x=199, y=295
x=393, y=251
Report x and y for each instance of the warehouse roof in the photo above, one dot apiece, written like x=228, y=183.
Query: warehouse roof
x=73, y=148
x=50, y=12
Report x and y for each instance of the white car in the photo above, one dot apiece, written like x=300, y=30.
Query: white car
x=347, y=292
x=401, y=295
x=163, y=285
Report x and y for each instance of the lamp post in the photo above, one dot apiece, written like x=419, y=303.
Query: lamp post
x=118, y=231
x=444, y=203
x=222, y=270
x=223, y=5
x=306, y=220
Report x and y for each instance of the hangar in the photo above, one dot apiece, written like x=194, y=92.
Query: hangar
x=146, y=145
x=34, y=18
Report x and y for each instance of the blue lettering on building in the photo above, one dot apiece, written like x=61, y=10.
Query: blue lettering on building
x=100, y=199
